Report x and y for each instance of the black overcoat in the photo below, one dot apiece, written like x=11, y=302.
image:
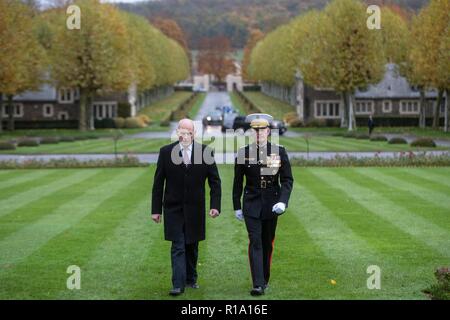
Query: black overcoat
x=179, y=191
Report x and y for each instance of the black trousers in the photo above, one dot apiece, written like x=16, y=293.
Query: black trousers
x=261, y=235
x=184, y=262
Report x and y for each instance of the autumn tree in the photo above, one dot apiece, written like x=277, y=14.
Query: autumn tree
x=112, y=51
x=171, y=29
x=342, y=53
x=22, y=58
x=444, y=70
x=352, y=55
x=429, y=54
x=95, y=57
x=255, y=36
x=214, y=57
x=140, y=54
x=395, y=35
x=333, y=48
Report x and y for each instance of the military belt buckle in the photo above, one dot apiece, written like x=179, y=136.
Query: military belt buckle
x=263, y=184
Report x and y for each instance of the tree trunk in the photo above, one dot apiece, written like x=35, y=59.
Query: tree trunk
x=82, y=126
x=446, y=111
x=10, y=113
x=1, y=112
x=437, y=109
x=344, y=115
x=351, y=113
x=90, y=113
x=422, y=113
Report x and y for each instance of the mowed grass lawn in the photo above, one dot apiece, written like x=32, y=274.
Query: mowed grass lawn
x=269, y=105
x=339, y=222
x=160, y=110
x=318, y=143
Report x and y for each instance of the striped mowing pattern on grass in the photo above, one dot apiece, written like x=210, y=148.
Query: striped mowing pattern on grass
x=12, y=178
x=30, y=238
x=434, y=192
x=25, y=193
x=432, y=175
x=134, y=253
x=384, y=244
x=375, y=203
x=32, y=211
x=140, y=145
x=339, y=222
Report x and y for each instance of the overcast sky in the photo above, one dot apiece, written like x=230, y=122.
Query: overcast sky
x=46, y=3
x=123, y=0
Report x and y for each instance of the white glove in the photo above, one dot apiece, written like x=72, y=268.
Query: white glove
x=239, y=215
x=279, y=208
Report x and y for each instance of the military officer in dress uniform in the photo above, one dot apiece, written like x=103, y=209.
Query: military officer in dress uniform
x=268, y=187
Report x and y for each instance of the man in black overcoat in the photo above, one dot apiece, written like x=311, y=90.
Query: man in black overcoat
x=179, y=195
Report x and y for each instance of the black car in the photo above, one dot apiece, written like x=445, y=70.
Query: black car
x=279, y=125
x=213, y=119
x=240, y=123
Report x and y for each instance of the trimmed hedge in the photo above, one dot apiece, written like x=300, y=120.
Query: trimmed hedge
x=397, y=140
x=134, y=122
x=403, y=159
x=349, y=135
x=297, y=123
x=290, y=117
x=145, y=118
x=28, y=143
x=7, y=146
x=49, y=140
x=80, y=138
x=378, y=138
x=123, y=161
x=362, y=136
x=423, y=142
x=119, y=122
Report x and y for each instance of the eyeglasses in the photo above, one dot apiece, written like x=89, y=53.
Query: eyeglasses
x=184, y=134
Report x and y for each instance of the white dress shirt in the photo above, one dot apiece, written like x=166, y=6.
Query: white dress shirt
x=187, y=149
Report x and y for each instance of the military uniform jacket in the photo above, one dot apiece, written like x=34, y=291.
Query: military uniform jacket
x=265, y=184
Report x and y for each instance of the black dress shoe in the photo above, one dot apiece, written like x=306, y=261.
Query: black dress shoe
x=257, y=291
x=193, y=285
x=176, y=291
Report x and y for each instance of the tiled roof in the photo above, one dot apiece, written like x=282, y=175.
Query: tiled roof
x=393, y=85
x=46, y=92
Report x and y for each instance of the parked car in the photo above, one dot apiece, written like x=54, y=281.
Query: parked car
x=228, y=109
x=277, y=124
x=228, y=120
x=199, y=89
x=240, y=123
x=213, y=119
x=225, y=109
